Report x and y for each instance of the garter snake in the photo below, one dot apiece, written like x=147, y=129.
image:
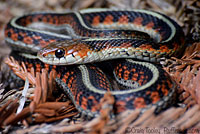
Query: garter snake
x=135, y=37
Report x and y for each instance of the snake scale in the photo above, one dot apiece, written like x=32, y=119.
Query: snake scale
x=129, y=42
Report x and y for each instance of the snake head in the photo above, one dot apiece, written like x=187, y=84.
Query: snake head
x=64, y=53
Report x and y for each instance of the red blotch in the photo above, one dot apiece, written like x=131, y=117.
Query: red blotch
x=164, y=89
x=108, y=20
x=43, y=43
x=123, y=19
x=126, y=74
x=164, y=48
x=155, y=97
x=96, y=20
x=150, y=25
x=139, y=102
x=147, y=47
x=28, y=40
x=126, y=44
x=14, y=36
x=84, y=103
x=138, y=21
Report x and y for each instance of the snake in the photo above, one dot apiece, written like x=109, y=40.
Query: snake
x=93, y=50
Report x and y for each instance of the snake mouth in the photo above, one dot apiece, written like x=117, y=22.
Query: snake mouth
x=47, y=56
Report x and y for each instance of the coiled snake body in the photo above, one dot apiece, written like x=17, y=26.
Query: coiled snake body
x=92, y=35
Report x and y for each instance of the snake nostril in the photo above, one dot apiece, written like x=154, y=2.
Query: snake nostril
x=60, y=53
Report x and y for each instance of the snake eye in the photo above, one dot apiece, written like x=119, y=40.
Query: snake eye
x=60, y=53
